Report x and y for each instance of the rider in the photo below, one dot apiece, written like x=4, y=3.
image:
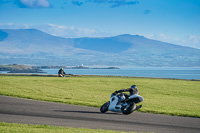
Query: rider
x=61, y=73
x=132, y=91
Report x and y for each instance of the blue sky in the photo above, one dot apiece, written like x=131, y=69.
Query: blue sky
x=174, y=21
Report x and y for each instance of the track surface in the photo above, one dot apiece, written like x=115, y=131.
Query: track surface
x=16, y=110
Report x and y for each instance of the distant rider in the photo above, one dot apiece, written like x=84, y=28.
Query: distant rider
x=132, y=91
x=61, y=73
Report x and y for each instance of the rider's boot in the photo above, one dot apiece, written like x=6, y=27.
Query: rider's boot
x=138, y=107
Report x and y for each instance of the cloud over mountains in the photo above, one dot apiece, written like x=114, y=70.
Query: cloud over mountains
x=74, y=32
x=59, y=30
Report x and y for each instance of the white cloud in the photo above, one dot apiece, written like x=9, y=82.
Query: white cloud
x=32, y=3
x=189, y=41
x=68, y=31
x=14, y=26
x=59, y=30
x=163, y=36
x=194, y=39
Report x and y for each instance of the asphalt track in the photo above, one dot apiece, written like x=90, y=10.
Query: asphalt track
x=17, y=110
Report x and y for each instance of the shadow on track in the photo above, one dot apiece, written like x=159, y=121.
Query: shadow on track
x=89, y=112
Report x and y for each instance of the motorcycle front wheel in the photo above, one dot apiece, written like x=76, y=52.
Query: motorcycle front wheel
x=104, y=107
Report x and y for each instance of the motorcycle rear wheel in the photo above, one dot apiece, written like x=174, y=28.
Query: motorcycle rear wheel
x=129, y=109
x=104, y=107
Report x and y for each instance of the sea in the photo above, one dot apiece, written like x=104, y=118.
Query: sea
x=189, y=73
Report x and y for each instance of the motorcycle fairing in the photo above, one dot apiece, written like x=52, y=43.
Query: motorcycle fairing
x=114, y=106
x=135, y=98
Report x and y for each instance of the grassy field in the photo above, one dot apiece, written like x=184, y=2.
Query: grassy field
x=27, y=128
x=164, y=96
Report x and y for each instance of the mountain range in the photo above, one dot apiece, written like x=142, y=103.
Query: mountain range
x=34, y=47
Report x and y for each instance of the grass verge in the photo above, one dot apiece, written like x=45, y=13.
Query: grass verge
x=163, y=96
x=28, y=128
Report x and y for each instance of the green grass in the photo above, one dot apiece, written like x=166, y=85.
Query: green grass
x=28, y=128
x=164, y=96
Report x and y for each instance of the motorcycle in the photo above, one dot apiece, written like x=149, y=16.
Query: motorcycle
x=119, y=103
x=61, y=75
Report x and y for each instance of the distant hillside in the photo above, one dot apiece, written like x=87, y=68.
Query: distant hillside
x=32, y=41
x=14, y=68
x=108, y=44
x=31, y=46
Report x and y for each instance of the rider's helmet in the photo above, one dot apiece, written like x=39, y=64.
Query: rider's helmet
x=62, y=68
x=134, y=87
